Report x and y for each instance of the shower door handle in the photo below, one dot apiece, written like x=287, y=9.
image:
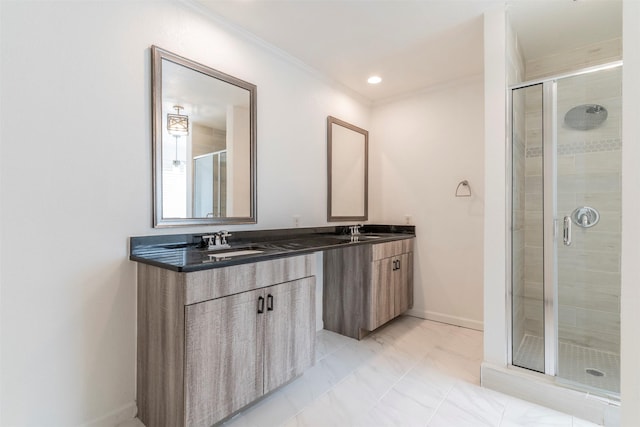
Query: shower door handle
x=566, y=232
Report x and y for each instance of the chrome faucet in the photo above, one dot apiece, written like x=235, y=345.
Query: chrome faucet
x=223, y=237
x=355, y=229
x=217, y=240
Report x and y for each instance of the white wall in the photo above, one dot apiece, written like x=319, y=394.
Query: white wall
x=75, y=176
x=423, y=146
x=495, y=291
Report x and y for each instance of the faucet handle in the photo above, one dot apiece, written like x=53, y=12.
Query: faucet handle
x=223, y=236
x=210, y=240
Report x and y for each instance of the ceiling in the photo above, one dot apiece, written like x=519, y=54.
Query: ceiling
x=192, y=91
x=412, y=44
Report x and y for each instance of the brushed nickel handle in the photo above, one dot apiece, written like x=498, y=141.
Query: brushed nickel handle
x=566, y=232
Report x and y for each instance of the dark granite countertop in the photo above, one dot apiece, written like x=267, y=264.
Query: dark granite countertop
x=186, y=252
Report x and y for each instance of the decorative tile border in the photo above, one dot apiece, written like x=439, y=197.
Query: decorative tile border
x=580, y=147
x=534, y=152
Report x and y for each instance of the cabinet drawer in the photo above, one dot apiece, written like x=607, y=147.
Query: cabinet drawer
x=219, y=282
x=389, y=249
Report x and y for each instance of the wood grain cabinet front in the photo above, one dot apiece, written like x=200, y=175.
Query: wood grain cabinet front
x=391, y=289
x=243, y=346
x=365, y=286
x=199, y=363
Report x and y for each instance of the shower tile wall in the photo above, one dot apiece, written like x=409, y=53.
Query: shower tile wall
x=518, y=219
x=590, y=175
x=533, y=265
x=589, y=165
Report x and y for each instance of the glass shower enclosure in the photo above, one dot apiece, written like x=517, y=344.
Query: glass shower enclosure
x=210, y=185
x=566, y=227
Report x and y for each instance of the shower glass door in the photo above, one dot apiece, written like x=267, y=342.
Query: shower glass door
x=565, y=234
x=589, y=158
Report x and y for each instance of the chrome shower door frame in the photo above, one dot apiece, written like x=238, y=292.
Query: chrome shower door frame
x=550, y=220
x=550, y=225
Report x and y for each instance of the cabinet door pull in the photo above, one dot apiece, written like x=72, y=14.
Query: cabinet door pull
x=269, y=302
x=260, y=305
x=398, y=268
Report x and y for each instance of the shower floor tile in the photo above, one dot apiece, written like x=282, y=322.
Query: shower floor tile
x=575, y=363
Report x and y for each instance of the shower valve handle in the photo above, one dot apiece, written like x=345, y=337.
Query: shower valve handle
x=566, y=234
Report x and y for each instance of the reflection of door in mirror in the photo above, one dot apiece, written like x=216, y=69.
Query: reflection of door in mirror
x=205, y=171
x=210, y=185
x=347, y=171
x=209, y=171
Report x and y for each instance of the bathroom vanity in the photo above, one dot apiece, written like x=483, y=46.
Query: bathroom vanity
x=212, y=341
x=218, y=329
x=366, y=286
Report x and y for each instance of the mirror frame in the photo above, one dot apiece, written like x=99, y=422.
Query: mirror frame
x=157, y=56
x=331, y=218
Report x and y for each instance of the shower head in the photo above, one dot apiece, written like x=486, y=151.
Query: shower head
x=586, y=117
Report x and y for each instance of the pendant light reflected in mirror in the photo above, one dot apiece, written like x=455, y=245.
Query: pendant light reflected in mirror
x=178, y=124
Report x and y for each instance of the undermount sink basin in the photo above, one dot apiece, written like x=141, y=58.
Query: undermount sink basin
x=231, y=254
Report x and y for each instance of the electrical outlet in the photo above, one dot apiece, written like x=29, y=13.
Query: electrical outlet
x=296, y=220
x=408, y=219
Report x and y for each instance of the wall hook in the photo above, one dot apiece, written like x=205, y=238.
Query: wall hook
x=465, y=191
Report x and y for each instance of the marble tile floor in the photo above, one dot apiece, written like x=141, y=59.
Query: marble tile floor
x=411, y=372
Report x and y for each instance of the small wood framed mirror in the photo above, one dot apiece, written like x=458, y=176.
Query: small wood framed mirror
x=347, y=171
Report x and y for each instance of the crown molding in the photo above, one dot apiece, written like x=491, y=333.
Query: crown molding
x=274, y=50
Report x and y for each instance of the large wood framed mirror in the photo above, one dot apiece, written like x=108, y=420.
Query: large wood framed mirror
x=347, y=171
x=204, y=144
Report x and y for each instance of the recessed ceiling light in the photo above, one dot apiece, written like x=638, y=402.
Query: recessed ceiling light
x=374, y=80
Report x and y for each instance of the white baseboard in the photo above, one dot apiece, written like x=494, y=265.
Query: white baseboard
x=445, y=318
x=114, y=418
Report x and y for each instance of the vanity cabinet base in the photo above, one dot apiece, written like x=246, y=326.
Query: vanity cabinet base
x=366, y=286
x=200, y=362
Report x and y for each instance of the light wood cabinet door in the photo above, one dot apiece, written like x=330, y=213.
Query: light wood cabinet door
x=383, y=289
x=223, y=362
x=289, y=343
x=392, y=288
x=403, y=284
